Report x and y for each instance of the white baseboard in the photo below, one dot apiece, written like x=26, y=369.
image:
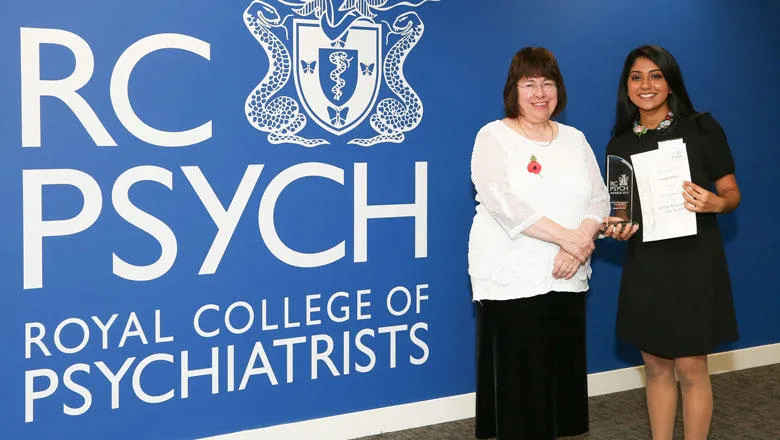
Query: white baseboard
x=447, y=409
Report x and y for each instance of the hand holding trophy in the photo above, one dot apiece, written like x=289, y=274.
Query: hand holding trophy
x=620, y=185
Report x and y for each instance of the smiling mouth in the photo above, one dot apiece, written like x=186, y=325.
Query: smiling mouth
x=646, y=95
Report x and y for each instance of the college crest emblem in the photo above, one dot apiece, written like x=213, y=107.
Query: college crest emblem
x=346, y=58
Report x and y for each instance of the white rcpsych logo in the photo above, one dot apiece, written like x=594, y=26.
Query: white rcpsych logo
x=619, y=186
x=338, y=68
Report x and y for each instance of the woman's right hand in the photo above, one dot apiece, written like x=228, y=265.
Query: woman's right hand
x=618, y=231
x=578, y=244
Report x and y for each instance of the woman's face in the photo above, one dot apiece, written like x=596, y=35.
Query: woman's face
x=647, y=87
x=537, y=98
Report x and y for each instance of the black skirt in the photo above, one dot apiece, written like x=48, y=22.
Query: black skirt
x=531, y=367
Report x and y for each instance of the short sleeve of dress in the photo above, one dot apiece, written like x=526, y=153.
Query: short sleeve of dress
x=716, y=151
x=490, y=176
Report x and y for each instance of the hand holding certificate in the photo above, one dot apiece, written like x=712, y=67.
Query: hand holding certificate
x=659, y=177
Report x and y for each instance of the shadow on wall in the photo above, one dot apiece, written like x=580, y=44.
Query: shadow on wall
x=610, y=251
x=613, y=252
x=728, y=227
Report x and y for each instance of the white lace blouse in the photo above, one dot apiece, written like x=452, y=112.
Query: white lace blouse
x=519, y=181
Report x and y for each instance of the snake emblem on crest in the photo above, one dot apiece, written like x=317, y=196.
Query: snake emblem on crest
x=344, y=56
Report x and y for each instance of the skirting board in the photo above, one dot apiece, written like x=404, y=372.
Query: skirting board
x=447, y=409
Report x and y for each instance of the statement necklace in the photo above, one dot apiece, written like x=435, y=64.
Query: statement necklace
x=640, y=129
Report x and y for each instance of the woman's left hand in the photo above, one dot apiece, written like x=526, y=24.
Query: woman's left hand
x=698, y=199
x=565, y=265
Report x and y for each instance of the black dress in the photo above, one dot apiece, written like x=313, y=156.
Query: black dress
x=675, y=295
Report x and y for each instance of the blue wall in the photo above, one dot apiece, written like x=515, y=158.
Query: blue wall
x=728, y=56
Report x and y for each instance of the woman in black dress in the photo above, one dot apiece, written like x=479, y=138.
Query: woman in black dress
x=675, y=300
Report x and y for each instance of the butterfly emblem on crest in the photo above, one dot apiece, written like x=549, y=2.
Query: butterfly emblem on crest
x=367, y=69
x=308, y=67
x=338, y=116
x=342, y=55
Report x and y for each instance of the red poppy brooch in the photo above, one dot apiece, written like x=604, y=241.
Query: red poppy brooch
x=534, y=166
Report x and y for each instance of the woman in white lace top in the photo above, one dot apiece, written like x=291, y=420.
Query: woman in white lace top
x=541, y=204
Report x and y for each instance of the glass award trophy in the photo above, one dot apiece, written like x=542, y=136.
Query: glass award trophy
x=620, y=185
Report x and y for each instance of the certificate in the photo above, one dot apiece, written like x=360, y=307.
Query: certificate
x=659, y=179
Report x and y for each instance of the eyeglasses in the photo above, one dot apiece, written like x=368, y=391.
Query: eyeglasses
x=546, y=86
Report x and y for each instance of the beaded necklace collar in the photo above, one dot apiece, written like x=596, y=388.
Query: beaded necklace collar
x=640, y=129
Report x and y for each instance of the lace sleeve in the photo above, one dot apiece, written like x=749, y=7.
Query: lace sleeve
x=490, y=175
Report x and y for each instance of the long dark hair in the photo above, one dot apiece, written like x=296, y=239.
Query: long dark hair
x=531, y=62
x=679, y=102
